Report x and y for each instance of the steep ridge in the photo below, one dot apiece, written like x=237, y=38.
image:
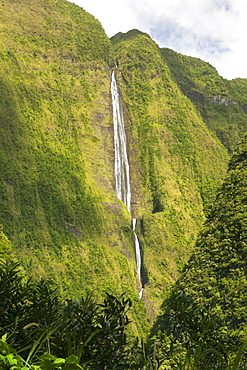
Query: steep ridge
x=208, y=303
x=222, y=103
x=171, y=156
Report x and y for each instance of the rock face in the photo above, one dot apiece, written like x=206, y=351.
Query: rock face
x=57, y=194
x=218, y=99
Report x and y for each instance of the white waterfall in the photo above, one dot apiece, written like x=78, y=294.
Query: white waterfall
x=122, y=176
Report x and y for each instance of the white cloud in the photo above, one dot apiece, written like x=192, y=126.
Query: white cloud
x=114, y=16
x=213, y=30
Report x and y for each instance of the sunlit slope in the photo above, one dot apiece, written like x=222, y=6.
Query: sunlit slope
x=57, y=200
x=176, y=162
x=222, y=103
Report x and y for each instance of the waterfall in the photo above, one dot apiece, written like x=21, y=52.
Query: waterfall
x=122, y=176
x=121, y=171
x=138, y=254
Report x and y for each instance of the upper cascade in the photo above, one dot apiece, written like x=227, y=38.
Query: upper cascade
x=122, y=176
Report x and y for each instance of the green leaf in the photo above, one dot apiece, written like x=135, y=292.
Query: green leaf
x=72, y=360
x=11, y=359
x=4, y=348
x=4, y=337
x=239, y=355
x=47, y=356
x=59, y=361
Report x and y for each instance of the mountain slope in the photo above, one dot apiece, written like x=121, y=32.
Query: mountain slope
x=222, y=103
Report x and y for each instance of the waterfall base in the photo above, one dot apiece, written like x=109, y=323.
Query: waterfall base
x=140, y=293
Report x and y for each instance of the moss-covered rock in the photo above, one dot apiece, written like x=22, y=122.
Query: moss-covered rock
x=58, y=203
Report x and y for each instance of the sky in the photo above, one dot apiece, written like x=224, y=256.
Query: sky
x=212, y=30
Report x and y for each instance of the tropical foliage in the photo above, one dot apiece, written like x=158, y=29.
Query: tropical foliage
x=35, y=320
x=44, y=332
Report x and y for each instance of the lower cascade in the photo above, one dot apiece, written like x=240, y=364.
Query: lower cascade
x=138, y=254
x=121, y=171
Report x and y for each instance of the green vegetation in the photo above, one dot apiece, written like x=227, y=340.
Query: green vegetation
x=222, y=103
x=51, y=333
x=207, y=306
x=35, y=321
x=41, y=331
x=61, y=220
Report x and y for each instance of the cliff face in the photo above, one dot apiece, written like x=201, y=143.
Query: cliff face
x=171, y=156
x=57, y=198
x=58, y=204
